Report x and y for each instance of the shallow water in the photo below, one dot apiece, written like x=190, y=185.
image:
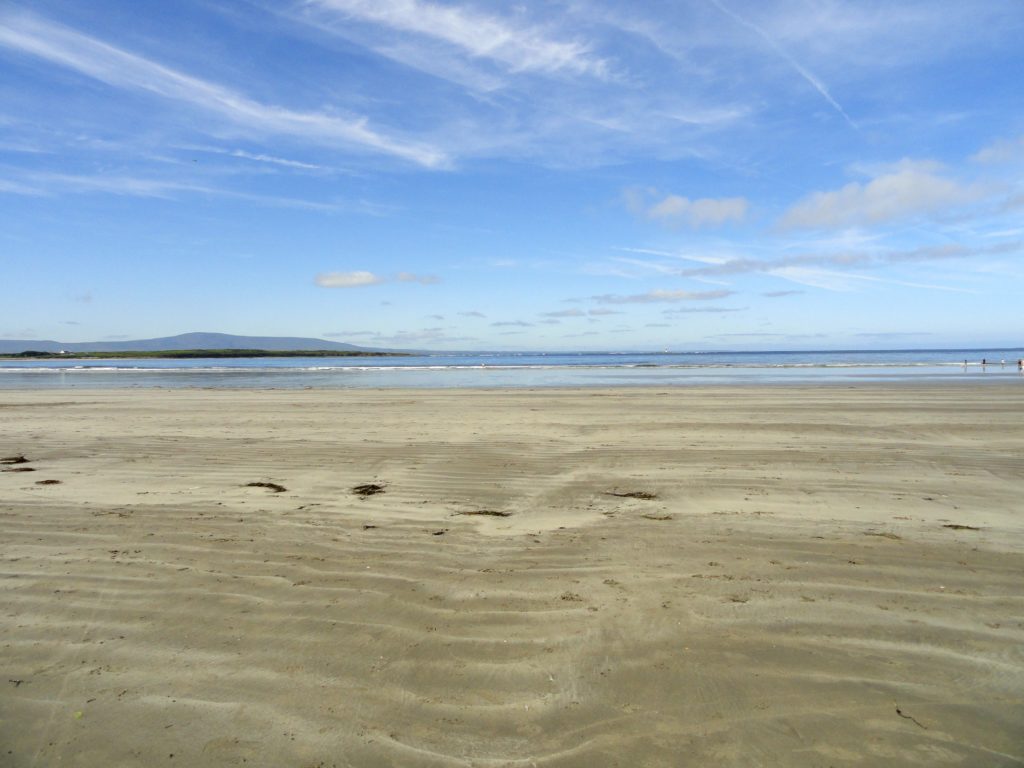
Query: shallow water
x=518, y=370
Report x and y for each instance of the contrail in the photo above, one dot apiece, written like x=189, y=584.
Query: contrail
x=808, y=76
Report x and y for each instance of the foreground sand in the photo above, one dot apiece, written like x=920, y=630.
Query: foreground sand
x=793, y=596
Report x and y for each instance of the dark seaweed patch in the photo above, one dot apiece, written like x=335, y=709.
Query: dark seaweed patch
x=370, y=489
x=271, y=486
x=645, y=495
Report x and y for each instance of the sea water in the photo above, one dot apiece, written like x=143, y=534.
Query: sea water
x=520, y=369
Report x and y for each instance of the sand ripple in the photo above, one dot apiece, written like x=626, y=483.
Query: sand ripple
x=787, y=590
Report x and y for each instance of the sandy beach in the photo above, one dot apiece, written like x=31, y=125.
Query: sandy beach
x=736, y=576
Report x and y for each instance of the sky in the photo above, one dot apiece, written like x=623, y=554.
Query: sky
x=538, y=175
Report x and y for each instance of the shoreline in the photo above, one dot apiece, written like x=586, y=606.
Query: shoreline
x=808, y=574
x=229, y=381
x=1010, y=384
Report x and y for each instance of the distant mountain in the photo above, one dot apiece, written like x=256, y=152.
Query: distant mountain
x=184, y=341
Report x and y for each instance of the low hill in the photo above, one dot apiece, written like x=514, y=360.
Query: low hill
x=182, y=341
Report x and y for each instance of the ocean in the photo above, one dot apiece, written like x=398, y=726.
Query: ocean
x=521, y=369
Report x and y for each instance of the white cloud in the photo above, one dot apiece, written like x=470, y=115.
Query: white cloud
x=1003, y=151
x=674, y=210
x=697, y=213
x=518, y=47
x=701, y=310
x=362, y=278
x=661, y=296
x=121, y=69
x=909, y=189
x=347, y=279
x=409, y=277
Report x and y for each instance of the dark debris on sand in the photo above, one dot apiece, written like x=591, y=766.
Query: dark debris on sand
x=486, y=513
x=18, y=459
x=645, y=495
x=369, y=489
x=958, y=527
x=47, y=482
x=275, y=487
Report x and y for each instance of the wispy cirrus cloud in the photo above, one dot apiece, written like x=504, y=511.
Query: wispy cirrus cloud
x=574, y=312
x=64, y=183
x=271, y=159
x=832, y=280
x=766, y=335
x=659, y=296
x=260, y=157
x=948, y=251
x=702, y=310
x=20, y=188
x=44, y=184
x=363, y=278
x=534, y=81
x=806, y=74
x=893, y=334
x=425, y=336
x=514, y=45
x=119, y=68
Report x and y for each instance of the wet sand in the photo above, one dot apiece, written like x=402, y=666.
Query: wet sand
x=745, y=576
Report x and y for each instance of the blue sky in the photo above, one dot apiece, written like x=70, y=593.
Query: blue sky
x=688, y=174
